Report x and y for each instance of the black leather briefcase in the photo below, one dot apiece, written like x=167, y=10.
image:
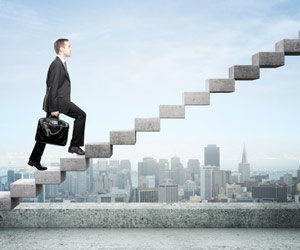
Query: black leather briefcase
x=52, y=130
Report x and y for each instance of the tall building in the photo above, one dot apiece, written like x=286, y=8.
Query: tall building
x=218, y=181
x=90, y=177
x=212, y=155
x=52, y=190
x=228, y=176
x=189, y=189
x=41, y=196
x=236, y=177
x=244, y=167
x=10, y=177
x=167, y=193
x=114, y=163
x=194, y=167
x=18, y=176
x=162, y=167
x=147, y=181
x=102, y=165
x=288, y=179
x=298, y=175
x=276, y=193
x=233, y=190
x=81, y=183
x=147, y=195
x=125, y=164
x=178, y=173
x=146, y=168
x=206, y=183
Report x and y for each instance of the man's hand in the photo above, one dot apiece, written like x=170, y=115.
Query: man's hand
x=56, y=113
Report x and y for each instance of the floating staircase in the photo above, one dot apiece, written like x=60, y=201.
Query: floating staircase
x=30, y=188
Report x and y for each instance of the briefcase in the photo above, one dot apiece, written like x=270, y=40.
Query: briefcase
x=52, y=130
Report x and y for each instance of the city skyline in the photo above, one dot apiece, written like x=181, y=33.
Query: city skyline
x=121, y=50
x=202, y=161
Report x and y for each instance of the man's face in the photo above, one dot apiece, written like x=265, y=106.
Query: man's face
x=67, y=50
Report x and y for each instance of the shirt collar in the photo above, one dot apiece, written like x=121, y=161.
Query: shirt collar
x=63, y=60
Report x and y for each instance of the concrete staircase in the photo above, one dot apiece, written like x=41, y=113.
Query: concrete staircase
x=30, y=188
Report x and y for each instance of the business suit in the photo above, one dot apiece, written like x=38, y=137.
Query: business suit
x=58, y=98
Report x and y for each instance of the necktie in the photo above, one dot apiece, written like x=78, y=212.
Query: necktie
x=65, y=65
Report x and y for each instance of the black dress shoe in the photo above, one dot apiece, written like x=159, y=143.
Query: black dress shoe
x=37, y=165
x=77, y=150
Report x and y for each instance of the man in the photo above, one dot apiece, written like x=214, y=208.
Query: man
x=58, y=100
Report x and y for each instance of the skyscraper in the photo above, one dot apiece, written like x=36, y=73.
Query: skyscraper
x=194, y=167
x=167, y=193
x=178, y=175
x=206, y=183
x=90, y=177
x=147, y=195
x=244, y=167
x=212, y=155
x=10, y=177
x=147, y=168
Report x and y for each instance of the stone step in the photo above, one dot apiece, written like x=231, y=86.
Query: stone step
x=290, y=47
x=7, y=202
x=220, y=85
x=52, y=175
x=268, y=59
x=25, y=188
x=147, y=124
x=74, y=163
x=98, y=150
x=244, y=72
x=196, y=98
x=171, y=111
x=123, y=137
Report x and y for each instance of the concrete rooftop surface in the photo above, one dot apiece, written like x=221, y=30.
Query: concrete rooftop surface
x=152, y=215
x=150, y=238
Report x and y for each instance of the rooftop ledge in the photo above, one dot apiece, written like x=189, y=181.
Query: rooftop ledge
x=152, y=215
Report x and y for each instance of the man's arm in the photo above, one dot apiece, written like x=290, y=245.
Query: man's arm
x=53, y=81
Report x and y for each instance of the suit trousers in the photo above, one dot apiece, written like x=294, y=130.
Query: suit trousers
x=78, y=132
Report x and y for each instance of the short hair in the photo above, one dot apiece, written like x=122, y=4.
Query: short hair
x=59, y=43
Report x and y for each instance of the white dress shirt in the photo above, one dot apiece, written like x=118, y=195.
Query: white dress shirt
x=63, y=60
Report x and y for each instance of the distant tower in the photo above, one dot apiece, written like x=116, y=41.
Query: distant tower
x=212, y=155
x=244, y=167
x=206, y=183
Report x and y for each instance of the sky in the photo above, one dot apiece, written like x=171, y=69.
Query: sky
x=129, y=57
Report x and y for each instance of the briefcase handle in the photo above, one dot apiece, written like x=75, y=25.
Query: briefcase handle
x=57, y=117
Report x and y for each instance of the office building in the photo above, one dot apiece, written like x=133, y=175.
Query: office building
x=167, y=193
x=212, y=155
x=244, y=167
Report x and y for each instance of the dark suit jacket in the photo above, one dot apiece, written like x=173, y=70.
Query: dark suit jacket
x=58, y=93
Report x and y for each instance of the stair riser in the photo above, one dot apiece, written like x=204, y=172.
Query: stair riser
x=196, y=98
x=123, y=137
x=74, y=164
x=98, y=150
x=244, y=72
x=6, y=202
x=172, y=111
x=268, y=59
x=226, y=85
x=50, y=177
x=147, y=124
x=290, y=47
x=25, y=190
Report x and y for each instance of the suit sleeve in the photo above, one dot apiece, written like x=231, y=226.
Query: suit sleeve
x=53, y=81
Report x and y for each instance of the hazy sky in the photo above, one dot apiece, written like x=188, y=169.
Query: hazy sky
x=131, y=56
